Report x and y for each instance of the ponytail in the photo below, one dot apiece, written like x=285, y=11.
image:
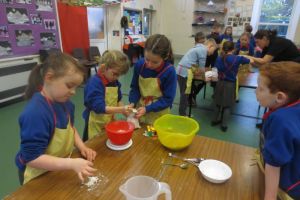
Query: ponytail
x=35, y=81
x=269, y=34
x=227, y=47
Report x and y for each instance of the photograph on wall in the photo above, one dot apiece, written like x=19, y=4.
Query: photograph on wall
x=24, y=1
x=48, y=40
x=5, y=48
x=49, y=24
x=229, y=24
x=230, y=19
x=6, y=1
x=24, y=38
x=36, y=19
x=44, y=5
x=17, y=15
x=235, y=24
x=3, y=31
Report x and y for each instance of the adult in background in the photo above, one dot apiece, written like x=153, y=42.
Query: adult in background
x=274, y=48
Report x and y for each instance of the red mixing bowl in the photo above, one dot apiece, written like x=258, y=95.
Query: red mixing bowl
x=119, y=132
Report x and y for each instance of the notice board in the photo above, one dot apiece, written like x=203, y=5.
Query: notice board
x=26, y=26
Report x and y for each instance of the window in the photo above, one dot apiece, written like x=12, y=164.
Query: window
x=275, y=14
x=147, y=23
x=96, y=22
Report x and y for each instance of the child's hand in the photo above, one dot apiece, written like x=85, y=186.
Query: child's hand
x=88, y=153
x=140, y=112
x=127, y=110
x=82, y=168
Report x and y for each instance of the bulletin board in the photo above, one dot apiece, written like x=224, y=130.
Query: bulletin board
x=26, y=26
x=134, y=22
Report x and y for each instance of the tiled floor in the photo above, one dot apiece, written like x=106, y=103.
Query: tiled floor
x=241, y=129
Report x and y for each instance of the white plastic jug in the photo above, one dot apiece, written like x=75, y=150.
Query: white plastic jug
x=144, y=188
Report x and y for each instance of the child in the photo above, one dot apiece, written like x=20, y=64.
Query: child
x=227, y=65
x=47, y=132
x=248, y=29
x=153, y=85
x=244, y=47
x=226, y=36
x=194, y=58
x=279, y=90
x=102, y=93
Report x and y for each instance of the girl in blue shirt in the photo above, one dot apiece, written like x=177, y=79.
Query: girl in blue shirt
x=47, y=132
x=279, y=90
x=227, y=65
x=153, y=85
x=102, y=93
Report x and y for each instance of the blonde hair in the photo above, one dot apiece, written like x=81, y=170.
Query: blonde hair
x=211, y=41
x=115, y=59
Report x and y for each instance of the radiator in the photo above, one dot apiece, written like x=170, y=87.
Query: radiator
x=14, y=75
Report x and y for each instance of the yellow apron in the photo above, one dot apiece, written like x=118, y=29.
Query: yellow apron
x=61, y=145
x=150, y=92
x=98, y=121
x=190, y=76
x=237, y=77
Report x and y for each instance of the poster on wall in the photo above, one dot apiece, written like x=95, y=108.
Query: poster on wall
x=27, y=26
x=134, y=22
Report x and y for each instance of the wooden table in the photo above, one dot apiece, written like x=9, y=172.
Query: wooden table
x=144, y=157
x=248, y=80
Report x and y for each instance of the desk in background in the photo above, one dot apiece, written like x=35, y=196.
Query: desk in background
x=144, y=157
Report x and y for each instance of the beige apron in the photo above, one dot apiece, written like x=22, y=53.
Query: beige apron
x=150, y=92
x=241, y=68
x=61, y=145
x=97, y=121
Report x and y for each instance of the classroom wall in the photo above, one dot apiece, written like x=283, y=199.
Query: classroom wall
x=177, y=24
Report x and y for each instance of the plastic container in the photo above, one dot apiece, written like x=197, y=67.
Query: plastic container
x=119, y=132
x=175, y=132
x=144, y=188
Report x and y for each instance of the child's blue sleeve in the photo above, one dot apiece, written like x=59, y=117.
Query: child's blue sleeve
x=36, y=131
x=119, y=91
x=244, y=60
x=279, y=144
x=134, y=94
x=94, y=95
x=251, y=50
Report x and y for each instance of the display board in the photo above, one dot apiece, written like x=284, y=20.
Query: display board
x=134, y=22
x=26, y=26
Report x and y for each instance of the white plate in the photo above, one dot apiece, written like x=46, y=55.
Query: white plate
x=118, y=147
x=215, y=171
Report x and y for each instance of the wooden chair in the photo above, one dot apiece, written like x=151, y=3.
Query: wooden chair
x=94, y=54
x=78, y=53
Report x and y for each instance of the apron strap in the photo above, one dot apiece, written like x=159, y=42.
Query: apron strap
x=228, y=69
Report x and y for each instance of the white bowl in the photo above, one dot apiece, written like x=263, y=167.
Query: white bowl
x=215, y=171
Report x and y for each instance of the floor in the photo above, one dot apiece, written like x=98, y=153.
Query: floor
x=241, y=128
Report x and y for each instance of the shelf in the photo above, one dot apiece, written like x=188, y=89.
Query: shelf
x=206, y=24
x=210, y=12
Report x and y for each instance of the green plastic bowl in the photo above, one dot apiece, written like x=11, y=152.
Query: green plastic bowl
x=175, y=132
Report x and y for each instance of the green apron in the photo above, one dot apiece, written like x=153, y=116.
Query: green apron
x=61, y=145
x=150, y=92
x=98, y=121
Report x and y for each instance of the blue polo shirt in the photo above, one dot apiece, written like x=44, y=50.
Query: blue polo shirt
x=282, y=146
